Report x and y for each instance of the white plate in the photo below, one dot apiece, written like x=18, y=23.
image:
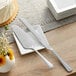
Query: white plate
x=62, y=8
x=38, y=44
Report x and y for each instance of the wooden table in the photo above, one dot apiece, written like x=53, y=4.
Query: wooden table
x=63, y=40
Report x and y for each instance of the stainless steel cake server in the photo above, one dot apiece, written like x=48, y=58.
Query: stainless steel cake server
x=27, y=43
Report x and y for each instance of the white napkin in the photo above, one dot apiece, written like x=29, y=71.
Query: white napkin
x=37, y=43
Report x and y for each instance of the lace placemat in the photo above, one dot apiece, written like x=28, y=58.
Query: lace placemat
x=37, y=12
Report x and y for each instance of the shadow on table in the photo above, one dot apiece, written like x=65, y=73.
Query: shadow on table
x=5, y=74
x=74, y=74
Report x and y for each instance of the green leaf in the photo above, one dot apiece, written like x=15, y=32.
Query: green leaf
x=6, y=27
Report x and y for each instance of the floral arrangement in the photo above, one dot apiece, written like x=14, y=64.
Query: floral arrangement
x=7, y=58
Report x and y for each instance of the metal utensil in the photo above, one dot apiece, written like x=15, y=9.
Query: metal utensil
x=20, y=35
x=45, y=43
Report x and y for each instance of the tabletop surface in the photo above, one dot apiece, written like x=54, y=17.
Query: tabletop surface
x=63, y=40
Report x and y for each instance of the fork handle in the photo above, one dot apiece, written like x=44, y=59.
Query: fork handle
x=50, y=65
